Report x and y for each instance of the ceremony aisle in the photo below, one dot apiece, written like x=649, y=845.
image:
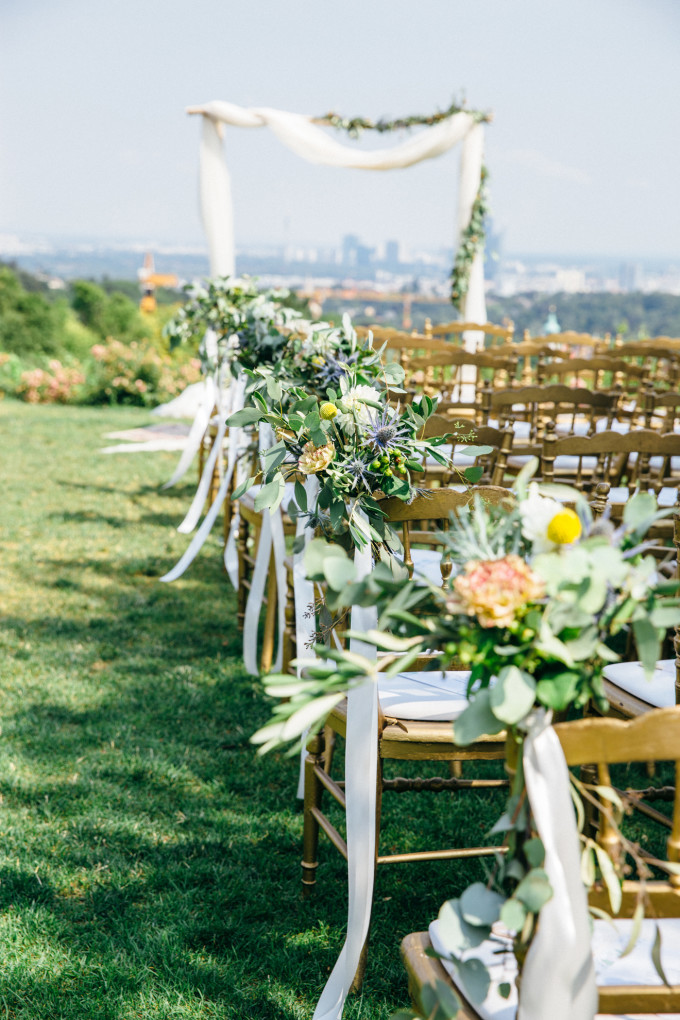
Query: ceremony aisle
x=149, y=860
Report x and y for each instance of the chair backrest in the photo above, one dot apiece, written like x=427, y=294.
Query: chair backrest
x=493, y=334
x=435, y=508
x=568, y=340
x=654, y=736
x=500, y=441
x=444, y=369
x=539, y=405
x=598, y=373
x=661, y=410
x=639, y=457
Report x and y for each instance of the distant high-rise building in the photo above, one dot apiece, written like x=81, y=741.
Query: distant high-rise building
x=392, y=254
x=350, y=246
x=630, y=277
x=364, y=256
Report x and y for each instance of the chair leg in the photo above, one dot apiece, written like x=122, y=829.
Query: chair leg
x=310, y=832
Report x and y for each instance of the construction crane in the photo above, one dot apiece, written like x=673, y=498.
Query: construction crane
x=149, y=279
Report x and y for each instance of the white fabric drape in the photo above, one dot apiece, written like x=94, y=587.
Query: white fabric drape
x=298, y=133
x=563, y=932
x=234, y=402
x=361, y=769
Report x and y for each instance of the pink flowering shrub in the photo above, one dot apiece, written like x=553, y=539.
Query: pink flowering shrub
x=56, y=384
x=137, y=373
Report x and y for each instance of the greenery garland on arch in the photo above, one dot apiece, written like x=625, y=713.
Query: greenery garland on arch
x=472, y=238
x=355, y=125
x=471, y=242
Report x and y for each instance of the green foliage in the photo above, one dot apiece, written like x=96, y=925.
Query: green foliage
x=108, y=315
x=645, y=315
x=29, y=325
x=99, y=349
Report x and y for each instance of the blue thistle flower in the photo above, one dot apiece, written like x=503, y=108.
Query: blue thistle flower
x=335, y=368
x=385, y=432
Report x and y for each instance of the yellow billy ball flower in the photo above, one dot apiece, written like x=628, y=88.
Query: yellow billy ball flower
x=564, y=528
x=318, y=361
x=328, y=411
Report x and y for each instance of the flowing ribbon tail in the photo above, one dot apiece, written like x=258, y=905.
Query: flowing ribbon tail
x=279, y=551
x=194, y=511
x=231, y=550
x=204, y=530
x=260, y=572
x=256, y=594
x=361, y=772
x=196, y=433
x=303, y=593
x=563, y=931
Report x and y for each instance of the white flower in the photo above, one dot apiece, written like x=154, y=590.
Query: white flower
x=355, y=401
x=537, y=512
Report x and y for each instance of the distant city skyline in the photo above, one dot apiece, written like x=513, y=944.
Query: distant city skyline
x=582, y=152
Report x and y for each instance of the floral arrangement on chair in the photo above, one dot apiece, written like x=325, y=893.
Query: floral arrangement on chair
x=541, y=598
x=357, y=445
x=247, y=326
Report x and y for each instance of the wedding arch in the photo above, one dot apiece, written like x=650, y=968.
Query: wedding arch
x=305, y=136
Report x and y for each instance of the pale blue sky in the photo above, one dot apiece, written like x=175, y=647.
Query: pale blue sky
x=584, y=150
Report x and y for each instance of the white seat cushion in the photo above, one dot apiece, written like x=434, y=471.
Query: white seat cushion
x=427, y=697
x=621, y=494
x=607, y=944
x=426, y=563
x=630, y=677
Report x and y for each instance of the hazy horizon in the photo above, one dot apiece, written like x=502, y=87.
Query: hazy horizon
x=582, y=151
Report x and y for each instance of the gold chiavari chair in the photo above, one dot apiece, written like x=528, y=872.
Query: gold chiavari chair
x=653, y=737
x=639, y=457
x=661, y=411
x=453, y=376
x=454, y=332
x=406, y=731
x=600, y=374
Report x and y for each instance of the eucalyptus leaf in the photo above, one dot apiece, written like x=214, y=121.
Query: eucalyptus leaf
x=474, y=978
x=513, y=914
x=512, y=697
x=480, y=905
x=476, y=719
x=274, y=389
x=300, y=496
x=534, y=890
x=457, y=935
x=647, y=643
x=270, y=495
x=246, y=416
x=338, y=572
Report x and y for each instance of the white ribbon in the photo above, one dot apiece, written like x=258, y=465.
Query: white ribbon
x=272, y=539
x=236, y=398
x=361, y=772
x=558, y=979
x=196, y=432
x=194, y=512
x=312, y=143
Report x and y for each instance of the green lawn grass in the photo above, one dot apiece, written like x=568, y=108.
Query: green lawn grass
x=149, y=860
